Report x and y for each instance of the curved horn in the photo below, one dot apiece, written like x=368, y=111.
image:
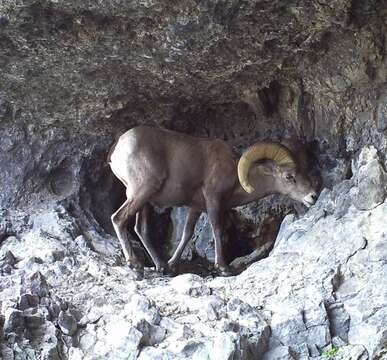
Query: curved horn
x=259, y=151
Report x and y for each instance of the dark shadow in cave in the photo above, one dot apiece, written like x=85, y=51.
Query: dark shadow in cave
x=101, y=192
x=241, y=245
x=269, y=97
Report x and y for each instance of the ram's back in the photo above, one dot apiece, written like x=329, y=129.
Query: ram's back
x=178, y=165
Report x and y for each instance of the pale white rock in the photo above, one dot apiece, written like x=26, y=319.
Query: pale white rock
x=189, y=284
x=119, y=332
x=208, y=308
x=224, y=346
x=139, y=307
x=180, y=333
x=87, y=340
x=194, y=348
x=152, y=334
x=67, y=323
x=352, y=352
x=76, y=354
x=151, y=353
x=14, y=321
x=279, y=353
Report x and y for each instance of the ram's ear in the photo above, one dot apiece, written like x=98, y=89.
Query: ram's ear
x=269, y=168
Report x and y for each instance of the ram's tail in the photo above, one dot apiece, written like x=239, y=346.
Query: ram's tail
x=108, y=159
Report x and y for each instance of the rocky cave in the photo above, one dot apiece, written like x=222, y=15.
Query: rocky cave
x=77, y=74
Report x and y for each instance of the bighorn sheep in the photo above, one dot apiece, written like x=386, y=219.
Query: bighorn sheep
x=166, y=168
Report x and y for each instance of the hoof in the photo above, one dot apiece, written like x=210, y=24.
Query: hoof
x=224, y=271
x=161, y=268
x=170, y=271
x=135, y=264
x=172, y=266
x=156, y=271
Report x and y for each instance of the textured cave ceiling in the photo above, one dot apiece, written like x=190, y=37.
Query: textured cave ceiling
x=75, y=74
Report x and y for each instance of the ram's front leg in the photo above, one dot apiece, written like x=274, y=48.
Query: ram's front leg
x=189, y=227
x=215, y=216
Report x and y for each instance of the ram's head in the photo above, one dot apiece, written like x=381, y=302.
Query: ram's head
x=281, y=165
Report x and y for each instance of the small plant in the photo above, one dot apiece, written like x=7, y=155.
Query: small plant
x=330, y=352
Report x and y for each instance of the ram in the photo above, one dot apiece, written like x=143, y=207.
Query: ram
x=167, y=168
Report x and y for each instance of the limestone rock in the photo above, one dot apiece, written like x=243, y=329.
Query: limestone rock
x=34, y=321
x=149, y=353
x=36, y=284
x=67, y=323
x=76, y=354
x=14, y=321
x=314, y=291
x=152, y=334
x=190, y=284
x=27, y=301
x=370, y=181
x=279, y=353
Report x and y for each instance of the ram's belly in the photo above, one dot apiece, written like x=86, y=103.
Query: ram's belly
x=178, y=194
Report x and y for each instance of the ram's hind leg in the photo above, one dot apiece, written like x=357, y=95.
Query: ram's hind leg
x=120, y=220
x=142, y=230
x=129, y=208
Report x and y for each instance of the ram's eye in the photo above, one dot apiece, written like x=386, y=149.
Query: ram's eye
x=289, y=177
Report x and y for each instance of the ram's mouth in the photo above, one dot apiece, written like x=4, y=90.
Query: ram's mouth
x=307, y=203
x=309, y=199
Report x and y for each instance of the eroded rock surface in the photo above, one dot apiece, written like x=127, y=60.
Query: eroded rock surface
x=322, y=287
x=75, y=74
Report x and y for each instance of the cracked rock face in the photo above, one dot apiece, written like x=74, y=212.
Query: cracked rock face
x=318, y=290
x=74, y=75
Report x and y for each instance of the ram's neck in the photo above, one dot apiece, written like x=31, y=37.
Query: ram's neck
x=263, y=184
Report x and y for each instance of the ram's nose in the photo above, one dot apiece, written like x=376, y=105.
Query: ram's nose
x=310, y=199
